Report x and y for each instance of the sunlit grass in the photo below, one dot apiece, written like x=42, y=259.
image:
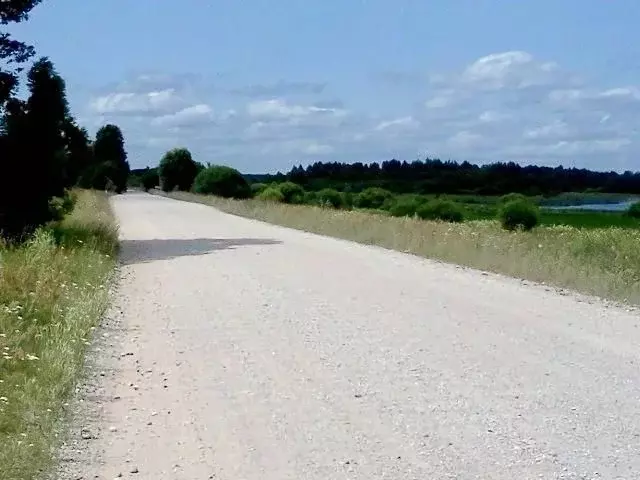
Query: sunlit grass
x=53, y=290
x=599, y=261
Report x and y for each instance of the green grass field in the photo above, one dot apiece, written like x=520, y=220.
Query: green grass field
x=53, y=290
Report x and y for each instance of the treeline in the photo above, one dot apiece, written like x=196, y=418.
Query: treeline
x=433, y=176
x=178, y=171
x=43, y=150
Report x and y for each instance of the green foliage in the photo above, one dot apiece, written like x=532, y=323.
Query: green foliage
x=329, y=197
x=347, y=199
x=258, y=188
x=271, y=194
x=292, y=192
x=372, y=197
x=79, y=151
x=97, y=176
x=634, y=210
x=309, y=198
x=444, y=210
x=149, y=179
x=62, y=206
x=406, y=206
x=13, y=52
x=109, y=152
x=519, y=215
x=32, y=142
x=510, y=197
x=178, y=170
x=222, y=181
x=434, y=176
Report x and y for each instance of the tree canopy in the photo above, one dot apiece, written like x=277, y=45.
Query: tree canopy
x=13, y=53
x=111, y=156
x=437, y=176
x=44, y=152
x=177, y=170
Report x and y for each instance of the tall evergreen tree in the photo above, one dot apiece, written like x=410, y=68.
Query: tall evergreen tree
x=110, y=154
x=47, y=117
x=34, y=151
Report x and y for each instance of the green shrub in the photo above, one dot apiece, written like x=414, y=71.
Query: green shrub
x=271, y=194
x=328, y=197
x=177, y=170
x=373, y=197
x=405, y=206
x=510, y=197
x=222, y=181
x=293, y=193
x=258, y=188
x=519, y=214
x=634, y=210
x=309, y=198
x=444, y=210
x=149, y=179
x=347, y=200
x=59, y=207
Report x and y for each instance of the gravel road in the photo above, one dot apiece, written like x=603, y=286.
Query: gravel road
x=248, y=351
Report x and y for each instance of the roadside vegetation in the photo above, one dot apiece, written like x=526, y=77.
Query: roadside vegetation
x=57, y=247
x=53, y=290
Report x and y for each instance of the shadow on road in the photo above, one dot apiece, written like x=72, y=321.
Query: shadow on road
x=143, y=251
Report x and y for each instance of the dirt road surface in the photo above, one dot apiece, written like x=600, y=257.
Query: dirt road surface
x=244, y=351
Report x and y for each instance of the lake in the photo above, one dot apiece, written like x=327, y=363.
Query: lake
x=598, y=207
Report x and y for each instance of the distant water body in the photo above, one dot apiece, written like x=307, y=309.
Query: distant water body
x=598, y=207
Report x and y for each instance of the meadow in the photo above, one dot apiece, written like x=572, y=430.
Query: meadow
x=589, y=259
x=53, y=290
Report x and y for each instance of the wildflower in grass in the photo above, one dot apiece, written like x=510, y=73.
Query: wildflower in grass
x=31, y=357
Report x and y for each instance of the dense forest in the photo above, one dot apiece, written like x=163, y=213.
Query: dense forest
x=43, y=150
x=436, y=177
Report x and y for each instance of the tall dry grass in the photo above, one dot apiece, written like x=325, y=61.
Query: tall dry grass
x=53, y=290
x=603, y=262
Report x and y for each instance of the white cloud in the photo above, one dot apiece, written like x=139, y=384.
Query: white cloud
x=280, y=109
x=440, y=101
x=509, y=69
x=193, y=115
x=570, y=148
x=398, y=123
x=136, y=103
x=622, y=94
x=465, y=139
x=296, y=147
x=318, y=149
x=555, y=129
x=491, y=116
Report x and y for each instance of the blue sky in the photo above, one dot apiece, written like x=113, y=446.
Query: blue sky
x=263, y=85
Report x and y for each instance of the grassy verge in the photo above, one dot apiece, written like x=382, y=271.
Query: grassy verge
x=603, y=262
x=53, y=290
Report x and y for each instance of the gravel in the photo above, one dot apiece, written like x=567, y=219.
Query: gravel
x=267, y=353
